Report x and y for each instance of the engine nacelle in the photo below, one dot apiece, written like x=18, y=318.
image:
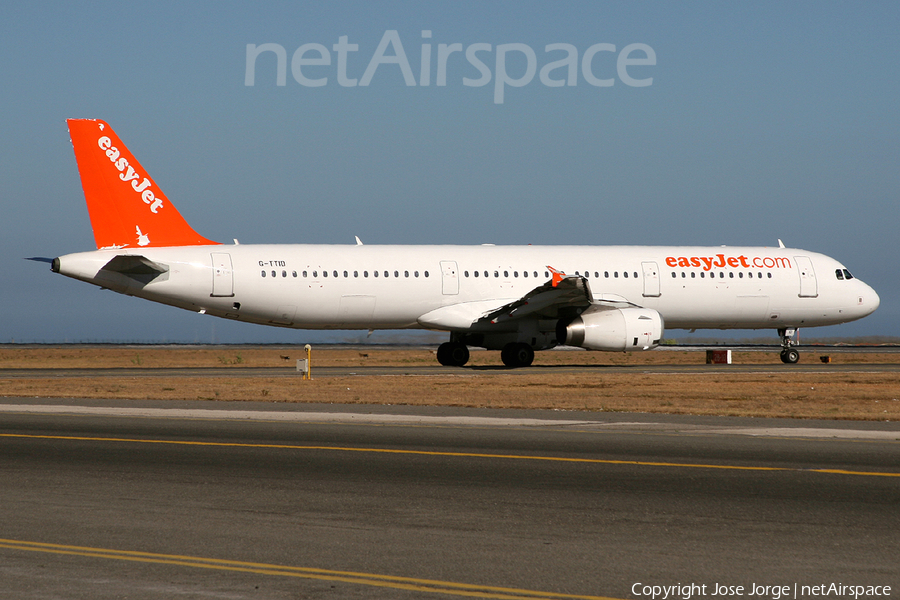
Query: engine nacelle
x=612, y=329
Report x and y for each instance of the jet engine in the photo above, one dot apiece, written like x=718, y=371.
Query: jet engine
x=612, y=329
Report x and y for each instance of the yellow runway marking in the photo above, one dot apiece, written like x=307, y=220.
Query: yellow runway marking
x=370, y=579
x=599, y=461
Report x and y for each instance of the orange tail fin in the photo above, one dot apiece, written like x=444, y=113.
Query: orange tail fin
x=126, y=207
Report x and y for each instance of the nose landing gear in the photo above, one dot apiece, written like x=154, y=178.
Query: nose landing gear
x=789, y=355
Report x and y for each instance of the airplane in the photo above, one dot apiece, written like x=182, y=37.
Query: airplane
x=516, y=299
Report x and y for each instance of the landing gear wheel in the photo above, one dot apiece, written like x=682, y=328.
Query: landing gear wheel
x=453, y=354
x=517, y=355
x=790, y=356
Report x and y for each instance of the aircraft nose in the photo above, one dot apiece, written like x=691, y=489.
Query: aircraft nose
x=868, y=300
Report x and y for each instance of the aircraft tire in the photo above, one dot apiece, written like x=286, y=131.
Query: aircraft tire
x=517, y=355
x=452, y=354
x=790, y=356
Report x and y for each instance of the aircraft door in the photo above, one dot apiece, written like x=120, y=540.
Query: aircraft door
x=651, y=279
x=223, y=275
x=808, y=285
x=449, y=277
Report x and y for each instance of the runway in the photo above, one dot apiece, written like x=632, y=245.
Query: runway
x=437, y=370
x=111, y=499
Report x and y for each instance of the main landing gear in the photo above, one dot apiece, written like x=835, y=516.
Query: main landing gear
x=789, y=355
x=513, y=355
x=453, y=354
x=517, y=354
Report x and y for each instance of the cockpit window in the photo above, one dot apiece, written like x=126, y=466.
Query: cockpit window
x=839, y=274
x=847, y=274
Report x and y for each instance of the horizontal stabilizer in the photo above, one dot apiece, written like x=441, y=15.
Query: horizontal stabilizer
x=131, y=265
x=40, y=259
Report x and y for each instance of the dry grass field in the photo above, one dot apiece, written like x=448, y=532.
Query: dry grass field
x=824, y=394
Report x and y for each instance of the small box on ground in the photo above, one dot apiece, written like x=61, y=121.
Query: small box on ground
x=303, y=365
x=718, y=357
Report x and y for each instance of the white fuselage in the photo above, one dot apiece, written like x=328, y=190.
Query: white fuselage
x=392, y=287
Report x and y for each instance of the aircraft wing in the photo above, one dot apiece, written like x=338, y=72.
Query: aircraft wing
x=546, y=301
x=561, y=295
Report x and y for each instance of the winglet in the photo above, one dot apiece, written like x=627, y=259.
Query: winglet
x=557, y=276
x=126, y=206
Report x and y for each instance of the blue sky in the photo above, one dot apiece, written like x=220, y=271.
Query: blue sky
x=764, y=120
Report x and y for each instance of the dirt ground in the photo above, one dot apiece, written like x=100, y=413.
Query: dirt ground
x=826, y=394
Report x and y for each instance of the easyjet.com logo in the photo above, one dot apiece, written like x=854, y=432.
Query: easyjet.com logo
x=721, y=261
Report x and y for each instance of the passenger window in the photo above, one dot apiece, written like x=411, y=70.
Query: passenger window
x=721, y=274
x=294, y=273
x=535, y=274
x=346, y=274
x=263, y=273
x=324, y=273
x=759, y=275
x=524, y=273
x=505, y=274
x=415, y=273
x=375, y=273
x=635, y=274
x=616, y=274
x=406, y=273
x=386, y=274
x=731, y=274
x=334, y=273
x=515, y=273
x=625, y=274
x=273, y=274
x=476, y=273
x=284, y=273
x=304, y=274
x=606, y=274
x=683, y=274
x=702, y=275
x=741, y=275
x=693, y=274
x=674, y=275
x=770, y=276
x=426, y=273
x=365, y=273
x=396, y=273
x=496, y=274
x=356, y=273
